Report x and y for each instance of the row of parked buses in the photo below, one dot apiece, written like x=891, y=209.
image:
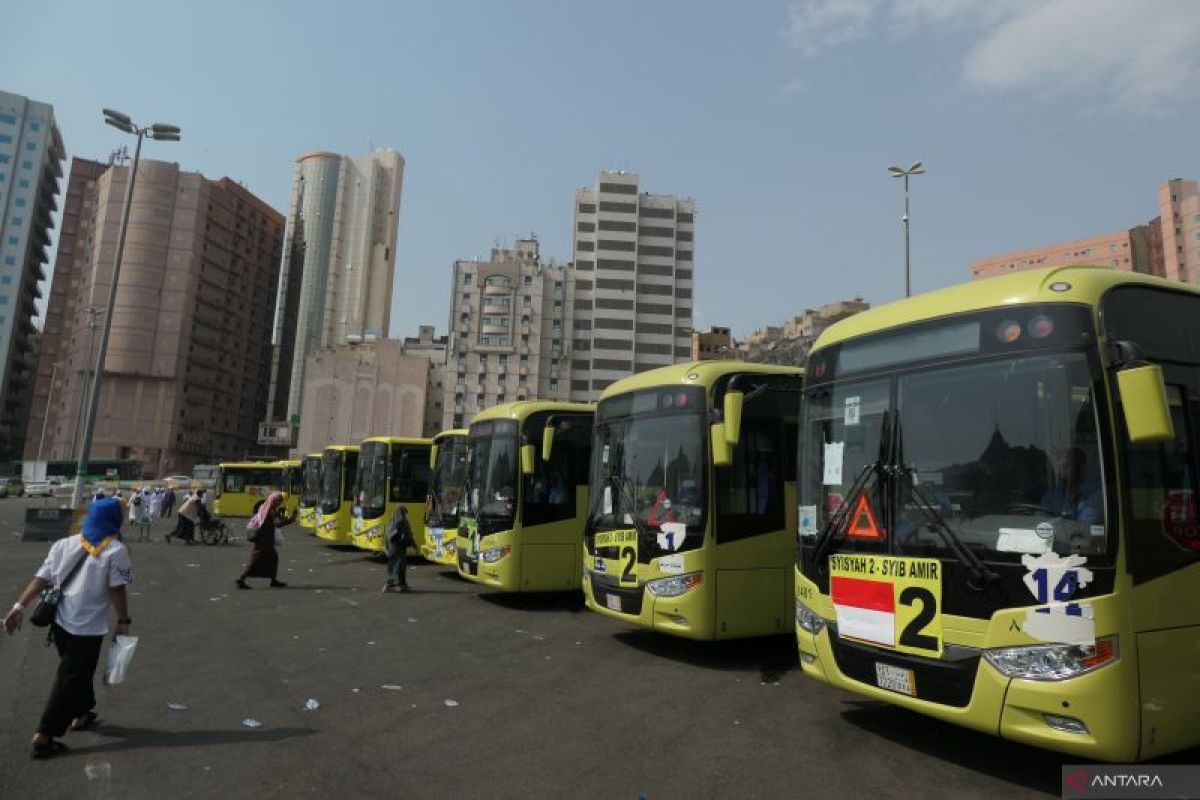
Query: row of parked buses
x=978, y=504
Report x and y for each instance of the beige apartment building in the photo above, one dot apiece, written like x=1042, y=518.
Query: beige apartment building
x=1118, y=250
x=186, y=372
x=509, y=328
x=366, y=388
x=714, y=344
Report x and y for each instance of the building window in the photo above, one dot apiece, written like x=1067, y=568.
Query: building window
x=10, y=261
x=5, y=138
x=485, y=340
x=553, y=385
x=16, y=221
x=6, y=279
x=528, y=280
x=502, y=341
x=498, y=280
x=467, y=279
x=23, y=184
x=3, y=299
x=35, y=126
x=557, y=325
x=20, y=202
x=503, y=360
x=31, y=145
x=9, y=118
x=26, y=165
x=526, y=301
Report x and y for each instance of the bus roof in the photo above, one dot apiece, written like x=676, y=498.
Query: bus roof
x=450, y=434
x=1085, y=284
x=520, y=409
x=342, y=447
x=398, y=440
x=289, y=462
x=694, y=373
x=314, y=455
x=249, y=465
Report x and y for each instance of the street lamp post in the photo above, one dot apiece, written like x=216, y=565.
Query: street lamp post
x=897, y=172
x=160, y=132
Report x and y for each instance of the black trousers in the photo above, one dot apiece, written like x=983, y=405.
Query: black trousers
x=73, y=694
x=397, y=567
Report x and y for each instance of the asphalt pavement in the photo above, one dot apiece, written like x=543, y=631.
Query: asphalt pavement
x=451, y=692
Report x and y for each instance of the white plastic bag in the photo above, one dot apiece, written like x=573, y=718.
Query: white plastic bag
x=120, y=653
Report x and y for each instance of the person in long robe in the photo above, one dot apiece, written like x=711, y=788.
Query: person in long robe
x=264, y=560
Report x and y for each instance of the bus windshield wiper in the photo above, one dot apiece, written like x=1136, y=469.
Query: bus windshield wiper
x=981, y=574
x=839, y=520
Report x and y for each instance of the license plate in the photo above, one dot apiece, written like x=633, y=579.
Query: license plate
x=895, y=679
x=613, y=601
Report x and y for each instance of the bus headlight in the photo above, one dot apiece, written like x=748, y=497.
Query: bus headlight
x=675, y=585
x=808, y=619
x=494, y=554
x=1053, y=662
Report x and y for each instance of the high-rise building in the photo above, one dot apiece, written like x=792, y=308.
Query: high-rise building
x=633, y=256
x=509, y=328
x=31, y=155
x=339, y=257
x=187, y=366
x=1179, y=213
x=78, y=210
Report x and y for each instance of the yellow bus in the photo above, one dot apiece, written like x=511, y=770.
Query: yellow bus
x=392, y=472
x=448, y=461
x=519, y=530
x=997, y=518
x=310, y=491
x=693, y=498
x=293, y=485
x=339, y=468
x=242, y=486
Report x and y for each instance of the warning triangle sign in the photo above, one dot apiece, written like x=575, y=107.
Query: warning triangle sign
x=862, y=522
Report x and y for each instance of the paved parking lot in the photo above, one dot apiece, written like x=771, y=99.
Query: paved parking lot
x=450, y=692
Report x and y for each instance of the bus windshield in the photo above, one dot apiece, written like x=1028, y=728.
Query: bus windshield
x=372, y=478
x=331, y=480
x=1006, y=451
x=312, y=482
x=445, y=488
x=648, y=468
x=491, y=470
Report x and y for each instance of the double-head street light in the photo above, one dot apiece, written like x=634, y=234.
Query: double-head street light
x=163, y=133
x=897, y=172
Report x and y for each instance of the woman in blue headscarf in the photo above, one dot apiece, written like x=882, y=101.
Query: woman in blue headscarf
x=91, y=571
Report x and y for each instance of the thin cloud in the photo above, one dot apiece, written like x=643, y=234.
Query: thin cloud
x=1135, y=56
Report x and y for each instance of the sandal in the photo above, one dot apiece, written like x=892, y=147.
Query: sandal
x=88, y=720
x=48, y=750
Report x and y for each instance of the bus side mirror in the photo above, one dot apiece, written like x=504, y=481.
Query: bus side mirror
x=1144, y=401
x=433, y=456
x=733, y=416
x=528, y=454
x=547, y=442
x=722, y=456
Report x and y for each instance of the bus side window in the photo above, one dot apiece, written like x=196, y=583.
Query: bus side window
x=550, y=491
x=1162, y=496
x=351, y=476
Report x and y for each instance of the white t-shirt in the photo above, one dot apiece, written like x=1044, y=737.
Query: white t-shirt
x=83, y=609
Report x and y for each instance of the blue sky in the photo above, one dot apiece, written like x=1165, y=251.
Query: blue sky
x=1038, y=121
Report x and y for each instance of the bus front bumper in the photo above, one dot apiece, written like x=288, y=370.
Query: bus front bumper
x=440, y=547
x=328, y=529
x=494, y=564
x=973, y=694
x=688, y=616
x=367, y=534
x=306, y=518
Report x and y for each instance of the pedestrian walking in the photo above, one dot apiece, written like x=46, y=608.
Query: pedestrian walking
x=139, y=515
x=168, y=503
x=399, y=539
x=156, y=502
x=185, y=524
x=91, y=571
x=264, y=560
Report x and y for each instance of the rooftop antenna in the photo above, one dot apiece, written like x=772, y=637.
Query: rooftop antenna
x=120, y=155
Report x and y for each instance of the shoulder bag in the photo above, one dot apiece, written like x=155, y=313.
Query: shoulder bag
x=46, y=610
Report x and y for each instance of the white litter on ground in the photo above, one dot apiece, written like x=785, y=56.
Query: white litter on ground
x=177, y=706
x=412, y=619
x=251, y=723
x=98, y=770
x=451, y=703
x=391, y=687
x=311, y=704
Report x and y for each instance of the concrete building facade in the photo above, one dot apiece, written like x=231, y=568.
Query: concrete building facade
x=185, y=376
x=31, y=155
x=1179, y=219
x=1116, y=250
x=338, y=265
x=714, y=344
x=427, y=344
x=634, y=259
x=368, y=388
x=78, y=211
x=510, y=324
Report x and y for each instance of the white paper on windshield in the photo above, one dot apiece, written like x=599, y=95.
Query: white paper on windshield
x=607, y=500
x=628, y=519
x=604, y=455
x=833, y=463
x=807, y=518
x=671, y=535
x=671, y=565
x=1022, y=540
x=1097, y=531
x=853, y=410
